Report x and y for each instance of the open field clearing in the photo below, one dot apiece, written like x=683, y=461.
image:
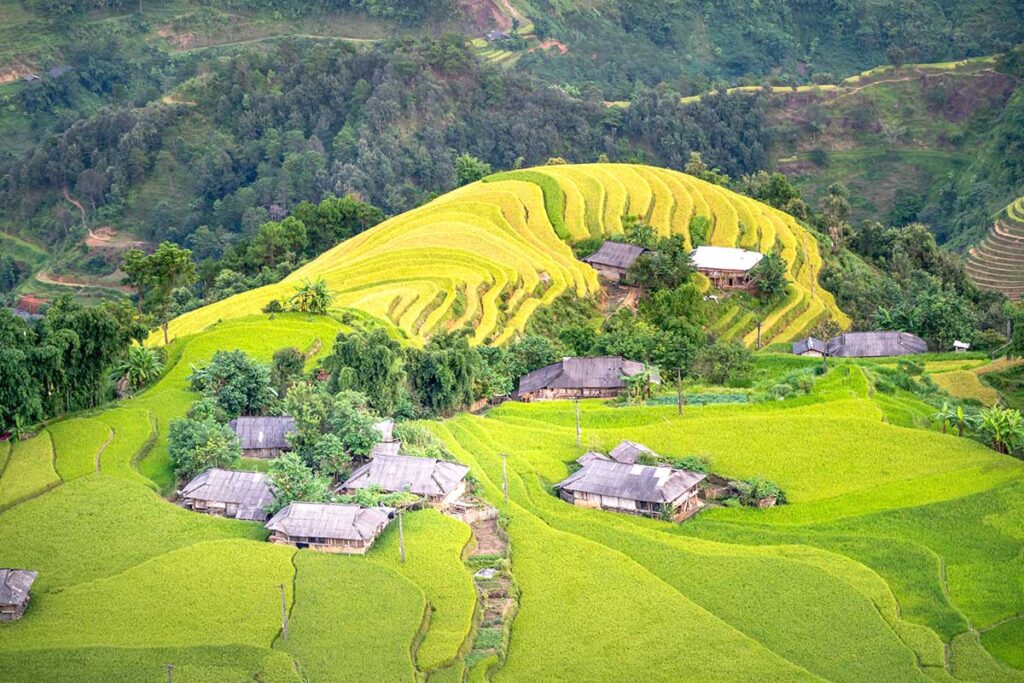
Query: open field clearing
x=29, y=470
x=505, y=239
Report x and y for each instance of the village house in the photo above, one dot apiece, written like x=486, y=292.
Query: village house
x=388, y=444
x=15, y=587
x=598, y=377
x=960, y=347
x=811, y=346
x=613, y=259
x=635, y=489
x=590, y=456
x=227, y=493
x=726, y=267
x=629, y=451
x=263, y=437
x=439, y=481
x=329, y=527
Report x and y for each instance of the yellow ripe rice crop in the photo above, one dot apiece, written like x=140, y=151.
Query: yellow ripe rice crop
x=496, y=247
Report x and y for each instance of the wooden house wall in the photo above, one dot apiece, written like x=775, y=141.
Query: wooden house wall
x=262, y=453
x=324, y=545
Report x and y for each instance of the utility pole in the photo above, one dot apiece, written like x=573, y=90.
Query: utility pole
x=679, y=390
x=504, y=476
x=284, y=612
x=579, y=430
x=401, y=538
x=824, y=360
x=759, y=335
x=170, y=672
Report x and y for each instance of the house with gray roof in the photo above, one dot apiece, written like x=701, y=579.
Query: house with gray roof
x=329, y=527
x=635, y=489
x=228, y=493
x=439, y=481
x=812, y=346
x=590, y=455
x=15, y=589
x=629, y=451
x=726, y=267
x=597, y=377
x=263, y=437
x=613, y=259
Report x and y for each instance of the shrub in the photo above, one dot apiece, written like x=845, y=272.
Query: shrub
x=273, y=306
x=781, y=391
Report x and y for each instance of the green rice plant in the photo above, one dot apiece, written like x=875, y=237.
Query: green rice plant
x=29, y=470
x=970, y=661
x=433, y=547
x=353, y=619
x=78, y=443
x=203, y=664
x=1004, y=643
x=224, y=593
x=554, y=197
x=107, y=525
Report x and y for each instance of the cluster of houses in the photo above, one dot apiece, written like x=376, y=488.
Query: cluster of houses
x=330, y=527
x=726, y=267
x=617, y=482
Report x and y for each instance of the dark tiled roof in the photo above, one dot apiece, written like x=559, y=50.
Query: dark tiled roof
x=810, y=344
x=629, y=451
x=602, y=372
x=331, y=520
x=249, y=490
x=15, y=585
x=875, y=344
x=263, y=432
x=632, y=482
x=615, y=255
x=421, y=476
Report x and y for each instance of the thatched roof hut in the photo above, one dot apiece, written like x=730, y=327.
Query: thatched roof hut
x=636, y=489
x=15, y=587
x=241, y=495
x=263, y=437
x=613, y=260
x=594, y=377
x=629, y=451
x=440, y=481
x=330, y=527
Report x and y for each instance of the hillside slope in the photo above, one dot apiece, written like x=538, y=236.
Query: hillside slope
x=490, y=253
x=997, y=263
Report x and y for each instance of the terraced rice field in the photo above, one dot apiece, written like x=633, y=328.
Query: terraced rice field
x=897, y=559
x=502, y=245
x=998, y=262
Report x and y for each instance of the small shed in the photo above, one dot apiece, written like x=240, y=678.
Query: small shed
x=613, y=259
x=875, y=344
x=811, y=346
x=961, y=347
x=329, y=527
x=228, y=493
x=597, y=377
x=635, y=489
x=589, y=456
x=439, y=481
x=15, y=589
x=630, y=451
x=726, y=267
x=263, y=437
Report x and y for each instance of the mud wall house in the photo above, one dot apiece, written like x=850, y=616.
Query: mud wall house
x=875, y=345
x=598, y=377
x=440, y=482
x=329, y=527
x=15, y=589
x=227, y=493
x=263, y=437
x=726, y=267
x=613, y=260
x=634, y=489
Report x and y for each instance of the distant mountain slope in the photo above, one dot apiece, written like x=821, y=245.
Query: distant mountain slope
x=998, y=262
x=489, y=254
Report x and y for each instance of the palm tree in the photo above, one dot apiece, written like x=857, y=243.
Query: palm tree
x=312, y=297
x=139, y=368
x=1003, y=428
x=639, y=386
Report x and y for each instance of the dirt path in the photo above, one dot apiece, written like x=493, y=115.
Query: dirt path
x=65, y=281
x=99, y=453
x=75, y=202
x=105, y=237
x=283, y=36
x=551, y=43
x=489, y=539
